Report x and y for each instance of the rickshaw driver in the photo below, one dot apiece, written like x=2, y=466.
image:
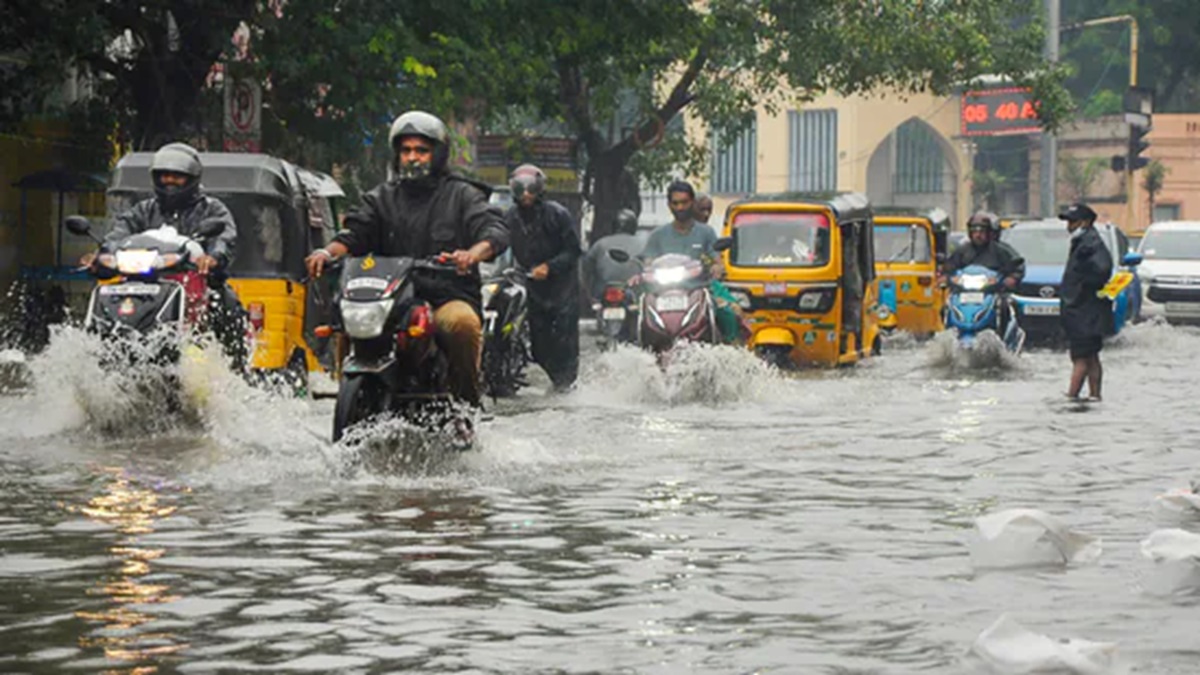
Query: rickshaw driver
x=422, y=211
x=179, y=202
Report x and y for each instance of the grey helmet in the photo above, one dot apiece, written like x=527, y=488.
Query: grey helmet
x=176, y=158
x=627, y=221
x=418, y=123
x=527, y=178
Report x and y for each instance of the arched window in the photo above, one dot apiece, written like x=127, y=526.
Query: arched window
x=919, y=160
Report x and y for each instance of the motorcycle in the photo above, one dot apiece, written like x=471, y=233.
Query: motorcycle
x=394, y=363
x=974, y=306
x=675, y=304
x=505, y=333
x=616, y=315
x=148, y=283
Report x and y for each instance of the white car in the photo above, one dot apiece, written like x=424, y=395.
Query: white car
x=1170, y=271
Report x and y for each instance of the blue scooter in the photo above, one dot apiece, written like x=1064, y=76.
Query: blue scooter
x=974, y=307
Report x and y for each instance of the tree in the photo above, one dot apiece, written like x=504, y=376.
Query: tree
x=1153, y=178
x=149, y=60
x=986, y=188
x=720, y=59
x=1080, y=175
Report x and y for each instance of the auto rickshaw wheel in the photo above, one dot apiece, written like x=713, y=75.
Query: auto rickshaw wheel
x=877, y=346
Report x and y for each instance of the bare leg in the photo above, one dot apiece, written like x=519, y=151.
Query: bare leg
x=1079, y=371
x=1095, y=374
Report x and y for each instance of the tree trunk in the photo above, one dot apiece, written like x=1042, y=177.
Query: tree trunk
x=612, y=188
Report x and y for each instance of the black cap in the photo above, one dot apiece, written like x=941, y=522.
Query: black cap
x=1078, y=212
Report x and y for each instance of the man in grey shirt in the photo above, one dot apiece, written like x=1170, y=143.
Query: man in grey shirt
x=684, y=236
x=600, y=270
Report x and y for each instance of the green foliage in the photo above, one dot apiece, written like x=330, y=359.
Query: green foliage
x=1153, y=177
x=1079, y=175
x=986, y=188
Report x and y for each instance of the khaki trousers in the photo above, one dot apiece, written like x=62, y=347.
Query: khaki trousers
x=461, y=334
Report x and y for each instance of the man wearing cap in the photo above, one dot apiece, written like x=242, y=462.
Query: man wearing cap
x=1087, y=317
x=546, y=243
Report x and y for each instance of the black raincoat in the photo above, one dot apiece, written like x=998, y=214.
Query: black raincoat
x=148, y=214
x=445, y=214
x=996, y=255
x=1089, y=267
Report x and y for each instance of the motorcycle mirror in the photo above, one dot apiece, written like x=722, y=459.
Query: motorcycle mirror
x=723, y=244
x=210, y=228
x=619, y=255
x=78, y=225
x=1131, y=259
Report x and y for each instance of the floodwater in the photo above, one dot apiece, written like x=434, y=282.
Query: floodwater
x=717, y=518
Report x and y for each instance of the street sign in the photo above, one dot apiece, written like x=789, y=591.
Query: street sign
x=999, y=112
x=243, y=115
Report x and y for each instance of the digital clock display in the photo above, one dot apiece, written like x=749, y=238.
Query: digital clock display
x=998, y=112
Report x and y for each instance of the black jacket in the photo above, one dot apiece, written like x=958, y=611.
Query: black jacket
x=449, y=214
x=1089, y=267
x=997, y=256
x=148, y=215
x=545, y=233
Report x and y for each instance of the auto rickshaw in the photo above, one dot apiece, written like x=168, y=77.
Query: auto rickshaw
x=282, y=213
x=910, y=244
x=802, y=268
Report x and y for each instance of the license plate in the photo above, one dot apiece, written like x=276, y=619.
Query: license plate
x=775, y=288
x=373, y=283
x=129, y=289
x=613, y=314
x=671, y=303
x=971, y=298
x=1184, y=308
x=1041, y=310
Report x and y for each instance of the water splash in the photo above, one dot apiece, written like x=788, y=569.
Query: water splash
x=695, y=373
x=987, y=356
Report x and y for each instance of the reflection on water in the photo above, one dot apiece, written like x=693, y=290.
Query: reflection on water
x=131, y=509
x=714, y=518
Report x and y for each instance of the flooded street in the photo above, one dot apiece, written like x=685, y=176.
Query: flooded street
x=716, y=519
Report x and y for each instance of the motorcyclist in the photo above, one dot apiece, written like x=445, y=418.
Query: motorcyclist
x=179, y=202
x=545, y=242
x=423, y=210
x=599, y=269
x=684, y=235
x=704, y=208
x=986, y=250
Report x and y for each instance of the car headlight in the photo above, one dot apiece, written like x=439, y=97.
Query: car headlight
x=365, y=320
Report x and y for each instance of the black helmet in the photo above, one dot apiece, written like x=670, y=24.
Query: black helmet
x=527, y=178
x=627, y=221
x=984, y=220
x=178, y=158
x=417, y=123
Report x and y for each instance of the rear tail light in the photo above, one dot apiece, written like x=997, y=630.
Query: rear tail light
x=419, y=322
x=323, y=331
x=257, y=315
x=614, y=295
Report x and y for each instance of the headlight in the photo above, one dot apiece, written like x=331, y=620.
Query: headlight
x=365, y=320
x=166, y=261
x=671, y=275
x=107, y=260
x=742, y=298
x=974, y=282
x=138, y=261
x=816, y=300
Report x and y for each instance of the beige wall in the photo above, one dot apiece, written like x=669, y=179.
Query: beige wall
x=864, y=127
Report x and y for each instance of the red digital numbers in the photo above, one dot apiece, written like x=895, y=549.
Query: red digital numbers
x=993, y=112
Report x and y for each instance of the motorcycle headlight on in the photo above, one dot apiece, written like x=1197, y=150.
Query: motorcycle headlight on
x=487, y=291
x=974, y=282
x=365, y=320
x=136, y=261
x=670, y=275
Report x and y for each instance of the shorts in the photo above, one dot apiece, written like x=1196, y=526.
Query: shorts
x=1085, y=347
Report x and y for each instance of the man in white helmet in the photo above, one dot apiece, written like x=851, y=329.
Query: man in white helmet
x=180, y=202
x=424, y=210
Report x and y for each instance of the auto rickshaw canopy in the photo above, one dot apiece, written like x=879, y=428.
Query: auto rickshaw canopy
x=846, y=206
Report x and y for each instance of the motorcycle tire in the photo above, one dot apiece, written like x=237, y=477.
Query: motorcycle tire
x=358, y=399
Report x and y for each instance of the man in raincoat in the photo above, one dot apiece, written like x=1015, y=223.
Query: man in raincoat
x=1087, y=317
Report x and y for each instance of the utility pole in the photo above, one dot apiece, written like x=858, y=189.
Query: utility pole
x=1049, y=167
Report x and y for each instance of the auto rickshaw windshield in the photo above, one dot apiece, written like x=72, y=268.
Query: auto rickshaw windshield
x=902, y=243
x=780, y=240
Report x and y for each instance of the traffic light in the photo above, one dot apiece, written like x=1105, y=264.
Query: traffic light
x=1137, y=145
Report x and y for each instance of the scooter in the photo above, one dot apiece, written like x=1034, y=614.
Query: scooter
x=974, y=306
x=148, y=284
x=394, y=364
x=505, y=333
x=675, y=305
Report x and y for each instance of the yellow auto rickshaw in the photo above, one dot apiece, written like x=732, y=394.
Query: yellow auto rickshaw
x=282, y=213
x=802, y=268
x=909, y=246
